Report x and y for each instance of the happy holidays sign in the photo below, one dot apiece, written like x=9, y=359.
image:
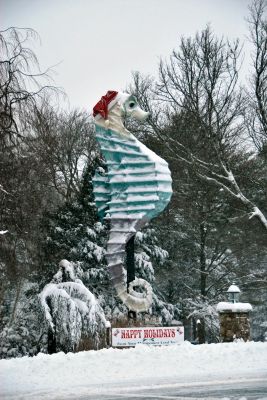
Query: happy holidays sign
x=159, y=336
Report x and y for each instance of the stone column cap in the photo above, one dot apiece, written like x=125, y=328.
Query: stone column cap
x=233, y=307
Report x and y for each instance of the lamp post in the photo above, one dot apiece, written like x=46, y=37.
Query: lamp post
x=234, y=317
x=233, y=293
x=132, y=315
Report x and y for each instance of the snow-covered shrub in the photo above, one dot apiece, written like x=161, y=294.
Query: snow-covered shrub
x=203, y=311
x=15, y=342
x=23, y=333
x=71, y=310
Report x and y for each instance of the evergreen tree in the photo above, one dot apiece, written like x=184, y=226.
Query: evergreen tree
x=75, y=233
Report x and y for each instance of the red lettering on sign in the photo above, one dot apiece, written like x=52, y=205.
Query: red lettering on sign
x=148, y=333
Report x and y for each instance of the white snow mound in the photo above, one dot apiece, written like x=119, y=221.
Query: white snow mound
x=96, y=372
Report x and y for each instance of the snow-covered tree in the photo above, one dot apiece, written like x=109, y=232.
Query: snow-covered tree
x=22, y=331
x=74, y=231
x=72, y=312
x=197, y=110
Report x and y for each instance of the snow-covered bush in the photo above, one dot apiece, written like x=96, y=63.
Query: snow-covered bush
x=23, y=333
x=71, y=310
x=203, y=311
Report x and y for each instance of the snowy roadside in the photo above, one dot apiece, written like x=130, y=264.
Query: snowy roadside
x=71, y=375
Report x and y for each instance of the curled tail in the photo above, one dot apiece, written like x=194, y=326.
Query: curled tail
x=121, y=230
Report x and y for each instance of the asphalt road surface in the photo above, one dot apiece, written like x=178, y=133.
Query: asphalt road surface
x=250, y=389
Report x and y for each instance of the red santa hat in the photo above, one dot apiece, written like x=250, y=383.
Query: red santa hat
x=105, y=104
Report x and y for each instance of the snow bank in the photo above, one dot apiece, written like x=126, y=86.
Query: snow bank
x=95, y=372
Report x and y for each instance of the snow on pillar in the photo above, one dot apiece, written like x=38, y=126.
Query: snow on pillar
x=234, y=317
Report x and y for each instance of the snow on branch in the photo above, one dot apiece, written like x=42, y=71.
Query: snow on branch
x=226, y=182
x=231, y=186
x=3, y=190
x=79, y=298
x=258, y=214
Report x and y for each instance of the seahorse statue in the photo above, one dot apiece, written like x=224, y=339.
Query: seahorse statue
x=136, y=188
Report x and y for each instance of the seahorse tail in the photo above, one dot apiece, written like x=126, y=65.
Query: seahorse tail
x=121, y=230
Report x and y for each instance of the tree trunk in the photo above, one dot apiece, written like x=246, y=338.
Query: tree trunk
x=203, y=280
x=51, y=342
x=201, y=331
x=202, y=257
x=51, y=335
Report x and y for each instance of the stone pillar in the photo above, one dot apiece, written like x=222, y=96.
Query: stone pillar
x=234, y=321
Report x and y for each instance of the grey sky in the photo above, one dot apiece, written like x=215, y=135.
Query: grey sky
x=99, y=42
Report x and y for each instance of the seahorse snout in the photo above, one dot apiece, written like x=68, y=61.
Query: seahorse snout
x=140, y=114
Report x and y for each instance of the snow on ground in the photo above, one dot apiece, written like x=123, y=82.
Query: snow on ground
x=71, y=375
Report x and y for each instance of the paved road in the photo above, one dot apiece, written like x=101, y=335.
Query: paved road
x=234, y=389
x=253, y=389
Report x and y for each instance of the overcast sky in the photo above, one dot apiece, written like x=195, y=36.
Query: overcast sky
x=98, y=43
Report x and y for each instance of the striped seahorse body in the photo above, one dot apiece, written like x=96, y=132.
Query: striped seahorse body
x=136, y=188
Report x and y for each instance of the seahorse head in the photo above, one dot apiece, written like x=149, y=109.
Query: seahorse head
x=120, y=105
x=130, y=107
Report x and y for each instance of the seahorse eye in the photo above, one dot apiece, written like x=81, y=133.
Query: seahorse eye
x=131, y=104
